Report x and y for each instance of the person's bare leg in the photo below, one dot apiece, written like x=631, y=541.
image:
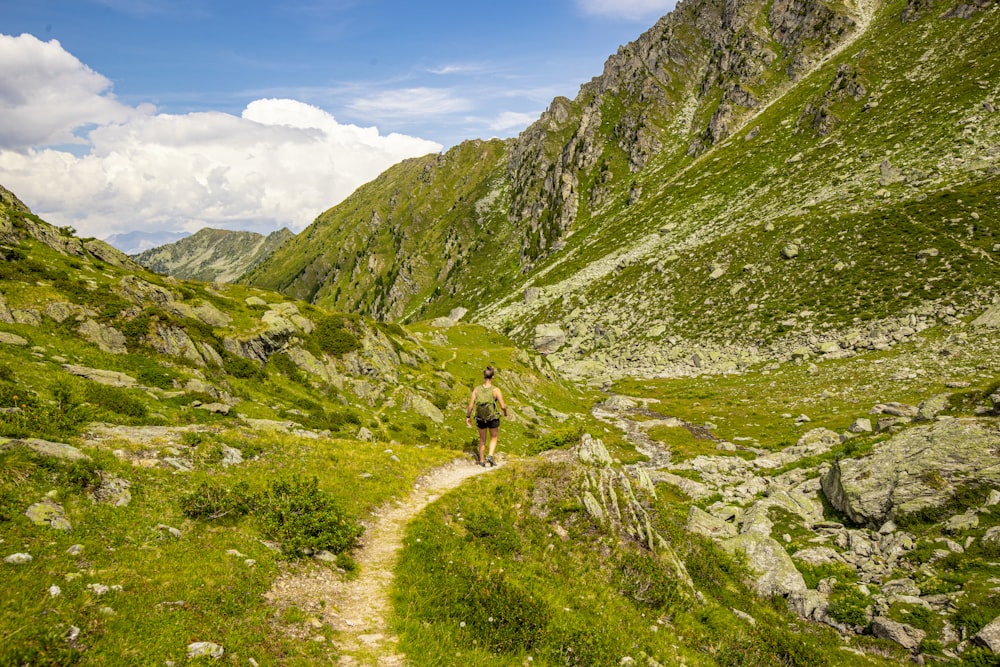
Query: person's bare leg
x=494, y=434
x=482, y=445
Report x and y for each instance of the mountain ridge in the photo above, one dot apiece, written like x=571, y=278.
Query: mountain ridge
x=213, y=255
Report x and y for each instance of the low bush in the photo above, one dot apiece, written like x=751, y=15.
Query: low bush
x=295, y=512
x=332, y=337
x=120, y=401
x=641, y=577
x=240, y=367
x=848, y=604
x=559, y=438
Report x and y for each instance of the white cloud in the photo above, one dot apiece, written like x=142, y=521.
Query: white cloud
x=512, y=119
x=280, y=163
x=410, y=103
x=631, y=10
x=46, y=93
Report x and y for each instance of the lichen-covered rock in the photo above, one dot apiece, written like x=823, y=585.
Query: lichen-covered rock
x=702, y=523
x=112, y=491
x=107, y=338
x=56, y=450
x=905, y=635
x=918, y=468
x=8, y=338
x=205, y=650
x=110, y=378
x=47, y=512
x=416, y=403
x=776, y=573
x=592, y=451
x=989, y=636
x=549, y=338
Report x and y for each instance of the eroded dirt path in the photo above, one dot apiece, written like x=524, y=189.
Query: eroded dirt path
x=358, y=610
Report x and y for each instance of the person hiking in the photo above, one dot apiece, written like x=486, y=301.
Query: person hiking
x=484, y=400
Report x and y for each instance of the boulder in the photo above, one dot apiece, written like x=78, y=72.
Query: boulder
x=592, y=451
x=990, y=319
x=48, y=513
x=57, y=450
x=107, y=338
x=113, y=491
x=989, y=636
x=549, y=338
x=790, y=251
x=417, y=403
x=702, y=523
x=204, y=650
x=776, y=573
x=5, y=314
x=110, y=378
x=929, y=409
x=905, y=635
x=12, y=339
x=18, y=559
x=860, y=425
x=915, y=469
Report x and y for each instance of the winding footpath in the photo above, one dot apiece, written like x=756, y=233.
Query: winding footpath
x=359, y=609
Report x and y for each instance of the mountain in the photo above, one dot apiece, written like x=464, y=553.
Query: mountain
x=213, y=254
x=135, y=242
x=745, y=181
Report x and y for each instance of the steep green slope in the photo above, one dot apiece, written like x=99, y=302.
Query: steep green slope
x=744, y=180
x=408, y=238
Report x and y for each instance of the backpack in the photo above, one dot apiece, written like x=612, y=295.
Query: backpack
x=486, y=406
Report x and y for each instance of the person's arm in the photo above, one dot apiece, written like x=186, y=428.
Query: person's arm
x=498, y=395
x=468, y=409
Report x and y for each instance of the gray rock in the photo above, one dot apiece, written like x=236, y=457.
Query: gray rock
x=990, y=319
x=110, y=378
x=113, y=491
x=531, y=294
x=930, y=408
x=231, y=456
x=915, y=469
x=818, y=556
x=962, y=522
x=414, y=402
x=171, y=530
x=549, y=338
x=927, y=253
x=989, y=636
x=702, y=523
x=57, y=450
x=205, y=650
x=18, y=559
x=776, y=573
x=860, y=425
x=592, y=451
x=790, y=251
x=107, y=338
x=905, y=635
x=12, y=339
x=255, y=301
x=619, y=403
x=365, y=435
x=48, y=513
x=5, y=315
x=217, y=408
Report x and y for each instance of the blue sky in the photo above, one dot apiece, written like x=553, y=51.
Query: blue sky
x=177, y=114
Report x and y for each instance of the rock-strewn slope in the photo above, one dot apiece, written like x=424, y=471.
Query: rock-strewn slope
x=218, y=255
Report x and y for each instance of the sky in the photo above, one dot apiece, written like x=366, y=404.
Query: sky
x=173, y=115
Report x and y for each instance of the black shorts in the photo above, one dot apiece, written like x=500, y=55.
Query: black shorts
x=493, y=423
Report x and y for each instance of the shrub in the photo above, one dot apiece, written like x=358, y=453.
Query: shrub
x=559, y=438
x=641, y=577
x=210, y=501
x=304, y=518
x=764, y=646
x=117, y=400
x=240, y=367
x=283, y=364
x=6, y=373
x=331, y=336
x=848, y=604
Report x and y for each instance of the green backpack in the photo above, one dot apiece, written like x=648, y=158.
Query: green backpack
x=486, y=406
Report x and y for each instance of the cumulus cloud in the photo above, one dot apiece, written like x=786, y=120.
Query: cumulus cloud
x=631, y=10
x=46, y=93
x=280, y=163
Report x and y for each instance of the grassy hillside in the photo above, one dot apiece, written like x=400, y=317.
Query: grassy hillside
x=655, y=217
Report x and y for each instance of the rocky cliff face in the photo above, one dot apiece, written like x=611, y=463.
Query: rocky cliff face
x=213, y=254
x=747, y=182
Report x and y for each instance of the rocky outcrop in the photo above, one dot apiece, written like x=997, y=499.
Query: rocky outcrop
x=775, y=572
x=916, y=469
x=105, y=337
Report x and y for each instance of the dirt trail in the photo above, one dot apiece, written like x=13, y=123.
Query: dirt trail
x=358, y=610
